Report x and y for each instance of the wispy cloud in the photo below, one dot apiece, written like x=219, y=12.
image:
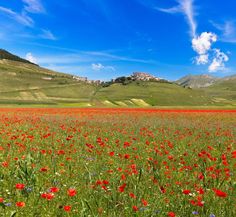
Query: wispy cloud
x=186, y=7
x=21, y=18
x=99, y=67
x=33, y=6
x=118, y=57
x=25, y=20
x=47, y=34
x=228, y=31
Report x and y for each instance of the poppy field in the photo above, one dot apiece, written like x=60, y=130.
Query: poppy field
x=117, y=162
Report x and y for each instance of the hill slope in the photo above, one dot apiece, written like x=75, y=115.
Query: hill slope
x=223, y=91
x=27, y=83
x=152, y=94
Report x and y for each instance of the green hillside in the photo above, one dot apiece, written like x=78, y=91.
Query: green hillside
x=24, y=83
x=152, y=94
x=223, y=91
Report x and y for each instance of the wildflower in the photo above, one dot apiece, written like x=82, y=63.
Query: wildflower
x=71, y=192
x=54, y=189
x=186, y=192
x=105, y=182
x=48, y=196
x=1, y=200
x=67, y=208
x=126, y=156
x=20, y=186
x=200, y=203
x=20, y=204
x=7, y=204
x=171, y=214
x=195, y=213
x=5, y=164
x=144, y=202
x=132, y=195
x=44, y=169
x=220, y=193
x=212, y=215
x=122, y=188
x=135, y=208
x=112, y=153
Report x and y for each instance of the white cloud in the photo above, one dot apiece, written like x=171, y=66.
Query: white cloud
x=218, y=63
x=47, y=34
x=202, y=59
x=31, y=58
x=185, y=7
x=33, y=6
x=202, y=45
x=99, y=67
x=22, y=18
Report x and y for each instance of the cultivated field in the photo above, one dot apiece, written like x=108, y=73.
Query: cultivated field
x=117, y=162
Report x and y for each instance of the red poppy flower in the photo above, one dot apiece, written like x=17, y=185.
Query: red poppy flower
x=44, y=169
x=48, y=196
x=186, y=191
x=112, y=153
x=135, y=208
x=20, y=186
x=220, y=193
x=122, y=188
x=5, y=164
x=54, y=189
x=171, y=214
x=132, y=195
x=20, y=204
x=67, y=208
x=144, y=202
x=126, y=156
x=71, y=192
x=105, y=182
x=1, y=200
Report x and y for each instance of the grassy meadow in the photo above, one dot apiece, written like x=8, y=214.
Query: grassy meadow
x=117, y=162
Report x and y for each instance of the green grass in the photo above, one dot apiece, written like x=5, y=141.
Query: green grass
x=153, y=93
x=223, y=92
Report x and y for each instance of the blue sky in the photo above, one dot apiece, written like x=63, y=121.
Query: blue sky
x=103, y=39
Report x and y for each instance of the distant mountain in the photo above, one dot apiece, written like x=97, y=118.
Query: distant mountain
x=9, y=56
x=231, y=77
x=197, y=81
